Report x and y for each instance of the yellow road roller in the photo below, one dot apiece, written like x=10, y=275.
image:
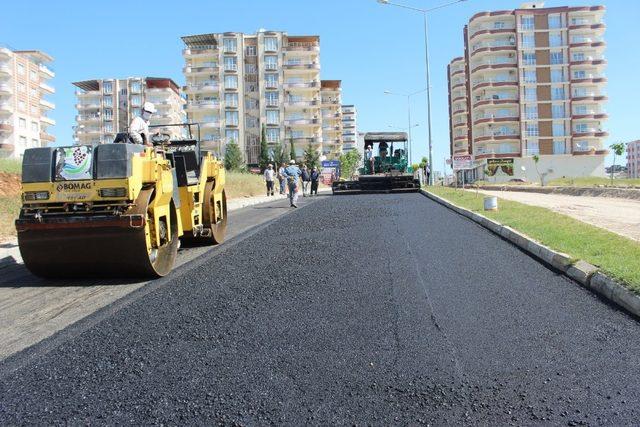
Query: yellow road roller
x=119, y=209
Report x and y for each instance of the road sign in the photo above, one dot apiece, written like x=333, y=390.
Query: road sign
x=462, y=162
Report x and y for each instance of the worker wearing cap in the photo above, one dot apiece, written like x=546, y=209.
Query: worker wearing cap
x=139, y=128
x=292, y=173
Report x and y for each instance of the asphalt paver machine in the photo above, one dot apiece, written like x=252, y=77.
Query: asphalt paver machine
x=119, y=209
x=390, y=171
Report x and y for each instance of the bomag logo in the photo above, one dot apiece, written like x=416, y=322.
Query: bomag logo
x=74, y=186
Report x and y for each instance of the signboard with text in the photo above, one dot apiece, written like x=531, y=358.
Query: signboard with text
x=329, y=171
x=505, y=165
x=462, y=162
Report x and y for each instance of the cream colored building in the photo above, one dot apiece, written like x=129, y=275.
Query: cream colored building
x=531, y=82
x=331, y=102
x=633, y=159
x=349, y=128
x=238, y=83
x=24, y=108
x=107, y=106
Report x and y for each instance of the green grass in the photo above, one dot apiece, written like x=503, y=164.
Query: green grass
x=593, y=181
x=10, y=165
x=9, y=210
x=615, y=255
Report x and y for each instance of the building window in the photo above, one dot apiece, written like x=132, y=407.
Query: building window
x=527, y=22
x=531, y=112
x=21, y=71
x=271, y=98
x=34, y=143
x=22, y=106
x=273, y=135
x=580, y=92
x=557, y=93
x=108, y=101
x=528, y=40
x=530, y=94
x=271, y=62
x=22, y=87
x=136, y=100
x=107, y=87
x=532, y=129
x=530, y=76
x=34, y=127
x=582, y=146
x=580, y=109
x=498, y=25
x=136, y=86
x=555, y=21
x=250, y=69
x=108, y=127
x=231, y=99
x=271, y=44
x=230, y=82
x=580, y=74
x=251, y=104
x=251, y=51
x=22, y=123
x=559, y=147
x=34, y=92
x=231, y=117
x=557, y=58
x=34, y=110
x=557, y=111
x=271, y=79
x=230, y=63
x=558, y=129
x=578, y=56
x=557, y=76
x=251, y=122
x=108, y=114
x=529, y=58
x=136, y=112
x=232, y=135
x=273, y=117
x=229, y=45
x=533, y=148
x=581, y=128
x=555, y=40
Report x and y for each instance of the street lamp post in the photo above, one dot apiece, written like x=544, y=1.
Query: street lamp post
x=408, y=96
x=426, y=59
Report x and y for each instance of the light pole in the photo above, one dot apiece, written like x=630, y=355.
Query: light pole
x=426, y=59
x=408, y=96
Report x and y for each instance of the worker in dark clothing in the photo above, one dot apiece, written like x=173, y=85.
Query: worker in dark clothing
x=306, y=179
x=315, y=179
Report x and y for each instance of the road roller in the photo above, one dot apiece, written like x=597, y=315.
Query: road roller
x=119, y=209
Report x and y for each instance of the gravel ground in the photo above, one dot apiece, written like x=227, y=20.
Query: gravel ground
x=378, y=309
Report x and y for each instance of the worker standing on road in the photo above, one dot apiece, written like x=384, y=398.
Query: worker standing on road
x=292, y=174
x=427, y=172
x=282, y=179
x=306, y=179
x=315, y=179
x=269, y=175
x=368, y=155
x=139, y=128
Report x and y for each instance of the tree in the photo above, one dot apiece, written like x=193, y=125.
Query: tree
x=618, y=150
x=279, y=155
x=349, y=162
x=292, y=150
x=536, y=159
x=232, y=157
x=424, y=162
x=311, y=157
x=263, y=161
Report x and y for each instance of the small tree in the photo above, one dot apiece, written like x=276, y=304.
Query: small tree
x=349, y=162
x=424, y=162
x=292, y=150
x=232, y=156
x=311, y=157
x=618, y=150
x=263, y=161
x=279, y=155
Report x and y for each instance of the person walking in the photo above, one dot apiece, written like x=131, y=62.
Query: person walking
x=427, y=172
x=368, y=155
x=306, y=179
x=269, y=175
x=282, y=178
x=314, y=176
x=292, y=174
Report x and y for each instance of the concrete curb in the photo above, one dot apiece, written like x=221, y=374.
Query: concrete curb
x=619, y=192
x=578, y=270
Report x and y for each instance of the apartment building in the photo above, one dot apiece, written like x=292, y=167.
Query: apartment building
x=633, y=159
x=237, y=84
x=331, y=102
x=24, y=108
x=531, y=82
x=349, y=128
x=107, y=106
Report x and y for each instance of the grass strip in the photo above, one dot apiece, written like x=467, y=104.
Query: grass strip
x=615, y=255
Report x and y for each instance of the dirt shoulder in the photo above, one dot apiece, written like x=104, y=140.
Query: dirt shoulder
x=621, y=216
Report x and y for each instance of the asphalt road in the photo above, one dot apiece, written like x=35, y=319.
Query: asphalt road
x=378, y=309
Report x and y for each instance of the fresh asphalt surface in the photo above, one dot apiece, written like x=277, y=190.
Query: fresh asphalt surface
x=372, y=309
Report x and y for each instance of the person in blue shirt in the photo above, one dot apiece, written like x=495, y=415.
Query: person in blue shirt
x=292, y=174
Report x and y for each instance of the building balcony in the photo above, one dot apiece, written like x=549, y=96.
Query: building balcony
x=590, y=115
x=589, y=60
x=200, y=52
x=588, y=96
x=205, y=87
x=497, y=136
x=493, y=65
x=301, y=121
x=208, y=69
x=6, y=108
x=47, y=104
x=459, y=98
x=457, y=73
x=231, y=68
x=458, y=112
x=5, y=70
x=271, y=85
x=202, y=105
x=214, y=124
x=296, y=47
x=47, y=137
x=305, y=140
x=590, y=133
x=586, y=25
x=589, y=79
x=301, y=104
x=460, y=138
x=484, y=48
x=47, y=120
x=496, y=119
x=301, y=85
x=493, y=155
x=458, y=85
x=5, y=53
x=301, y=66
x=6, y=127
x=46, y=71
x=47, y=88
x=481, y=32
x=494, y=100
x=483, y=83
x=588, y=43
x=330, y=101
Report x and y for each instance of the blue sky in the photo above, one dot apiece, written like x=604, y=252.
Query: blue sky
x=370, y=47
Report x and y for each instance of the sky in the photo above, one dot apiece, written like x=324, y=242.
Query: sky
x=370, y=47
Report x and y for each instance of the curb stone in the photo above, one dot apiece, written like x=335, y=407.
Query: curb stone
x=580, y=271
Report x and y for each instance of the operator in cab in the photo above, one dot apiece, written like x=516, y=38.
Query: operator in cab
x=139, y=128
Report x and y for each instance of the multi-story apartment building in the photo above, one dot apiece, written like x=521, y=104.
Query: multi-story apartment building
x=237, y=84
x=531, y=82
x=349, y=128
x=107, y=106
x=331, y=101
x=24, y=109
x=633, y=159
